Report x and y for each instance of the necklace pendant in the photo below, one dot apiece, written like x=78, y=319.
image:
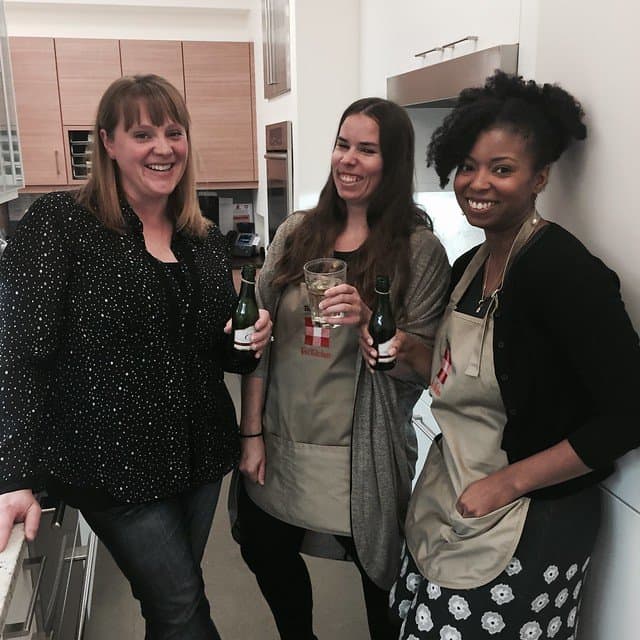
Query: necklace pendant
x=480, y=303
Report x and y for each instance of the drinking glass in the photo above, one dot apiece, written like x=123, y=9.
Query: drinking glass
x=319, y=275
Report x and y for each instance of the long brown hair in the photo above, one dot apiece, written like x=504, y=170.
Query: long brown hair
x=392, y=214
x=122, y=101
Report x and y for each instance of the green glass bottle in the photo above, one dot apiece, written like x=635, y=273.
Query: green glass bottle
x=382, y=326
x=246, y=313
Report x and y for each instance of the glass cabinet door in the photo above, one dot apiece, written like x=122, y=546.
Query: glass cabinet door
x=10, y=165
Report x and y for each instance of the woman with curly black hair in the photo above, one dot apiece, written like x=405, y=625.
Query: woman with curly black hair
x=504, y=516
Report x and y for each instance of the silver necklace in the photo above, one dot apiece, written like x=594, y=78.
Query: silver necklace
x=485, y=297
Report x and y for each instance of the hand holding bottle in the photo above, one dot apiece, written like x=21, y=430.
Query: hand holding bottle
x=382, y=328
x=251, y=326
x=262, y=334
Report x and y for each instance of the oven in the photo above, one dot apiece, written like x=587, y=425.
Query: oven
x=279, y=157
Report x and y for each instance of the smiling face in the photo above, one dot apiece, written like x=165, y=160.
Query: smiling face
x=151, y=159
x=497, y=183
x=356, y=161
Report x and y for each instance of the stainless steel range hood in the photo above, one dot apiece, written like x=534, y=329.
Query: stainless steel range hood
x=438, y=85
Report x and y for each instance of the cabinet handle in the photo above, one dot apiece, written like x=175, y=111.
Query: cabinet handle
x=269, y=48
x=422, y=54
x=21, y=629
x=267, y=34
x=56, y=155
x=58, y=515
x=272, y=42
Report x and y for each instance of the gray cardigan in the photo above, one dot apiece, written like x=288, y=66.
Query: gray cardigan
x=383, y=445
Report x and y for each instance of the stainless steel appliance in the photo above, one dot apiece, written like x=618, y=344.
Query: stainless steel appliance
x=62, y=560
x=438, y=85
x=279, y=157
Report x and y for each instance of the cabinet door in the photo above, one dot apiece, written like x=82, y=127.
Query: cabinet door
x=220, y=96
x=85, y=69
x=162, y=57
x=38, y=106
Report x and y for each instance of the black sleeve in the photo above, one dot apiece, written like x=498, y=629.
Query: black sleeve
x=33, y=280
x=584, y=312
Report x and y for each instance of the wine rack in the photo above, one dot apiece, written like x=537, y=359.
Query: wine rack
x=80, y=144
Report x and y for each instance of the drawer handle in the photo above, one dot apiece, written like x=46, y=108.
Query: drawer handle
x=21, y=629
x=87, y=583
x=58, y=515
x=56, y=155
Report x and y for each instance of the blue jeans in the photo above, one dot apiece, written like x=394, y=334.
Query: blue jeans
x=159, y=546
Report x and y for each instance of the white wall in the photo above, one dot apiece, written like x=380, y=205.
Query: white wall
x=328, y=79
x=393, y=32
x=594, y=194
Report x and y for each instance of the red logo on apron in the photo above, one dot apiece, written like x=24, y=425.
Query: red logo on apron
x=442, y=375
x=315, y=336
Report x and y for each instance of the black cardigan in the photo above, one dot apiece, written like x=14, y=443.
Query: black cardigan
x=99, y=386
x=566, y=357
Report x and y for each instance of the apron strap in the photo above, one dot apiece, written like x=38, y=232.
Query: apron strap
x=527, y=229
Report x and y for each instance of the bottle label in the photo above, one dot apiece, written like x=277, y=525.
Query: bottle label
x=383, y=351
x=242, y=338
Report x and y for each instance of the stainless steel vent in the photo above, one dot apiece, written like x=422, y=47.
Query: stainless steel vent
x=438, y=85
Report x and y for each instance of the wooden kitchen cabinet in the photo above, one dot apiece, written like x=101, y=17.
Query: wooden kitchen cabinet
x=59, y=83
x=162, y=57
x=86, y=67
x=38, y=106
x=220, y=95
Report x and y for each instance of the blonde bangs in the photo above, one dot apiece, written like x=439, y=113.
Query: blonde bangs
x=161, y=106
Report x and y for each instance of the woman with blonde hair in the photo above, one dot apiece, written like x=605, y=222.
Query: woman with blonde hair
x=113, y=305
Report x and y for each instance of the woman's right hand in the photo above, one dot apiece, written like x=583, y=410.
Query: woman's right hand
x=18, y=506
x=253, y=459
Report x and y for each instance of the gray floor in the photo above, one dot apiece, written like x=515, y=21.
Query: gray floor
x=237, y=605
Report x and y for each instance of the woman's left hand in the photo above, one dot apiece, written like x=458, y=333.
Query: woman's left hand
x=486, y=495
x=398, y=342
x=345, y=299
x=262, y=335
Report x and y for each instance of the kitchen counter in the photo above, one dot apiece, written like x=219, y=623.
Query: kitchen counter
x=10, y=563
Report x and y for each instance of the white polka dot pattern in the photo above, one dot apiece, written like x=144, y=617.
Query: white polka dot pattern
x=97, y=386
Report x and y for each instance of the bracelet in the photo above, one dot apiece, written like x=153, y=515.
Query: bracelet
x=251, y=435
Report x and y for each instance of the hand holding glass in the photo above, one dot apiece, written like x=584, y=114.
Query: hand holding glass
x=319, y=275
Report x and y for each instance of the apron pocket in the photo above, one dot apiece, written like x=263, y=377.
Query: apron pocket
x=307, y=485
x=464, y=528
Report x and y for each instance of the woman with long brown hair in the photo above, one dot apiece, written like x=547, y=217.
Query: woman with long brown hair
x=327, y=449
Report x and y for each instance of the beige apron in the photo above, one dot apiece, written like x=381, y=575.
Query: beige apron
x=307, y=421
x=451, y=550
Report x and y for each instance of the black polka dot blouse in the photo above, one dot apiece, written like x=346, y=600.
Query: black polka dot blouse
x=104, y=383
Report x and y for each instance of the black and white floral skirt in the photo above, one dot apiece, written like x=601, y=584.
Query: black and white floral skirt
x=537, y=596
